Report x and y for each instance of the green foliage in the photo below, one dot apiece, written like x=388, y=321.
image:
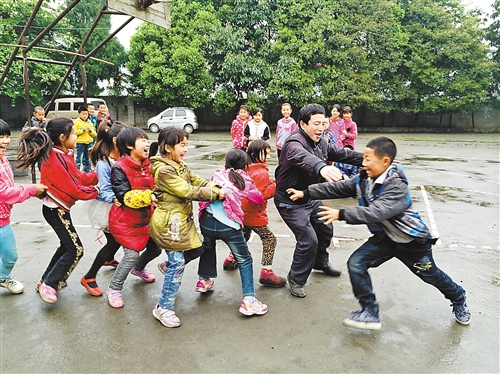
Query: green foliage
x=44, y=78
x=493, y=36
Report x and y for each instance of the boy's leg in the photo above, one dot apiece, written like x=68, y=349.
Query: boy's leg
x=371, y=254
x=71, y=247
x=418, y=258
x=80, y=150
x=86, y=160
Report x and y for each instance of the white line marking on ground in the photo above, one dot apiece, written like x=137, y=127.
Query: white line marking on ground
x=434, y=229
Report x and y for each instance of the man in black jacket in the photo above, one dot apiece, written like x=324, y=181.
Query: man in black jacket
x=304, y=161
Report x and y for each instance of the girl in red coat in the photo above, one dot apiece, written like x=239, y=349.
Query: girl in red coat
x=66, y=184
x=256, y=218
x=133, y=184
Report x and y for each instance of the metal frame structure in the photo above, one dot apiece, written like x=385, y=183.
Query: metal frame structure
x=158, y=13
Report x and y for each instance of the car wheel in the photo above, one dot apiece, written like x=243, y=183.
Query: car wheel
x=154, y=127
x=188, y=128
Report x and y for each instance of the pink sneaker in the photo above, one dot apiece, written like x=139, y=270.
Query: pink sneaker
x=166, y=316
x=115, y=298
x=229, y=263
x=145, y=275
x=47, y=293
x=205, y=285
x=162, y=266
x=255, y=307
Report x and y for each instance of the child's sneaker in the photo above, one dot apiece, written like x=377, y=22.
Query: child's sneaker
x=229, y=262
x=255, y=307
x=204, y=285
x=166, y=316
x=47, y=293
x=12, y=285
x=162, y=266
x=461, y=312
x=115, y=298
x=61, y=285
x=144, y=274
x=362, y=319
x=268, y=278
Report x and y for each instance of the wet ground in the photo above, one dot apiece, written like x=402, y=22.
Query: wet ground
x=455, y=185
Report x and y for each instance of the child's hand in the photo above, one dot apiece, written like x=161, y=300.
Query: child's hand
x=154, y=200
x=295, y=194
x=40, y=189
x=116, y=202
x=344, y=132
x=222, y=195
x=329, y=215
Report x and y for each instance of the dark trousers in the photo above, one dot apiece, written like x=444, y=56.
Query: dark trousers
x=313, y=237
x=70, y=248
x=416, y=256
x=106, y=253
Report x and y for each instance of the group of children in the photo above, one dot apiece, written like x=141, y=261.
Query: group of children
x=150, y=192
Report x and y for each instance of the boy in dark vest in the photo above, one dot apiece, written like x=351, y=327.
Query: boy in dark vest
x=385, y=206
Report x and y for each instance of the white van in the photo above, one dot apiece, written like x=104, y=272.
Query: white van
x=68, y=107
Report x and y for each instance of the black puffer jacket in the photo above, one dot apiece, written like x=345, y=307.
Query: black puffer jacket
x=301, y=161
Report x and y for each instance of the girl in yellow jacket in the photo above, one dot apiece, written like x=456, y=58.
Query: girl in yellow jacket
x=172, y=224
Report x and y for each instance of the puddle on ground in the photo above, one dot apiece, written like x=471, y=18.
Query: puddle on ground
x=445, y=194
x=214, y=157
x=198, y=146
x=433, y=159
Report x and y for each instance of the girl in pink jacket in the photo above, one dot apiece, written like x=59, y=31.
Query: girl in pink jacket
x=223, y=220
x=10, y=194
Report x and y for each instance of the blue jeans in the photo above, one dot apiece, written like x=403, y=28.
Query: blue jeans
x=213, y=230
x=8, y=251
x=82, y=156
x=416, y=256
x=313, y=237
x=70, y=248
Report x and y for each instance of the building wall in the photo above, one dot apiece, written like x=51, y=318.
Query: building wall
x=485, y=119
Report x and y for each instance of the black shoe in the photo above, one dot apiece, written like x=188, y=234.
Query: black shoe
x=295, y=289
x=328, y=269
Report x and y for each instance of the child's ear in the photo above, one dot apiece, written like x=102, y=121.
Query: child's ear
x=387, y=161
x=130, y=147
x=62, y=138
x=167, y=148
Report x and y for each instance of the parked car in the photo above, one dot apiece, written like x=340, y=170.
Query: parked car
x=68, y=107
x=181, y=117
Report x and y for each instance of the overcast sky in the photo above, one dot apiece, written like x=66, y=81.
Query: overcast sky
x=125, y=34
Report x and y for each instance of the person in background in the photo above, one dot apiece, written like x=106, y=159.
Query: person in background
x=336, y=124
x=37, y=120
x=257, y=128
x=284, y=127
x=348, y=171
x=238, y=128
x=85, y=135
x=350, y=132
x=103, y=114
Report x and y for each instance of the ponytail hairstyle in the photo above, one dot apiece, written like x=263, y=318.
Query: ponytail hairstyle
x=127, y=137
x=236, y=159
x=168, y=136
x=257, y=151
x=104, y=143
x=36, y=144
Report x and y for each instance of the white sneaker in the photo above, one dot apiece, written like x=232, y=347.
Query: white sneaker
x=166, y=316
x=12, y=285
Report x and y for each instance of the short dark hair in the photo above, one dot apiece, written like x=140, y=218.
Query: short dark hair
x=346, y=109
x=257, y=110
x=168, y=136
x=83, y=108
x=244, y=107
x=308, y=110
x=257, y=150
x=4, y=128
x=127, y=137
x=383, y=146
